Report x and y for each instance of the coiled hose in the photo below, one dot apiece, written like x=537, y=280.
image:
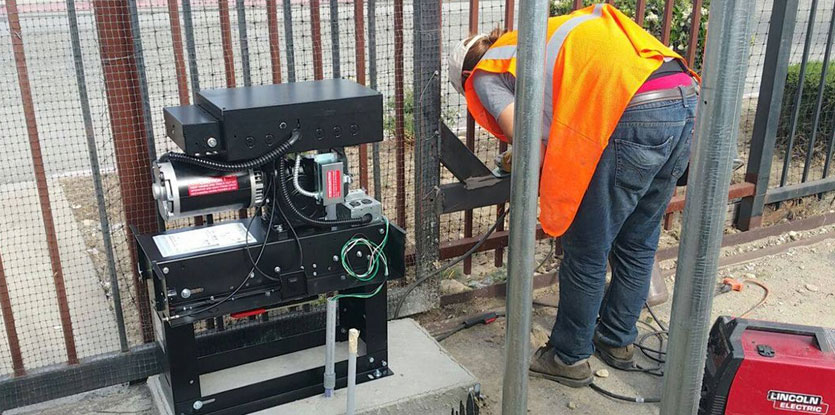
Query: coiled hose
x=277, y=152
x=284, y=193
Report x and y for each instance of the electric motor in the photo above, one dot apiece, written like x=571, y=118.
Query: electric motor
x=182, y=190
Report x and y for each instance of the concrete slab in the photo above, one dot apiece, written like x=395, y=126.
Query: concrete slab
x=427, y=379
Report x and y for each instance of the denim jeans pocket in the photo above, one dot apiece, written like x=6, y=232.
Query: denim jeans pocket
x=637, y=164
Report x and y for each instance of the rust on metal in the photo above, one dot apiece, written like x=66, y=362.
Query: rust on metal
x=640, y=11
x=470, y=139
x=124, y=102
x=578, y=4
x=316, y=38
x=667, y=23
x=226, y=41
x=275, y=47
x=695, y=22
x=509, y=5
x=40, y=179
x=9, y=324
x=359, y=30
x=735, y=191
x=177, y=44
x=399, y=127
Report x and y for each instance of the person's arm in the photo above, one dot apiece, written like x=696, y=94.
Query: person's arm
x=505, y=121
x=496, y=95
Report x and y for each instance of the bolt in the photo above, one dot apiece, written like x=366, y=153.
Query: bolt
x=342, y=277
x=382, y=231
x=268, y=293
x=370, y=376
x=282, y=125
x=212, y=142
x=277, y=270
x=385, y=364
x=185, y=293
x=370, y=360
x=251, y=275
x=314, y=266
x=315, y=274
x=335, y=258
x=197, y=405
x=359, y=254
x=377, y=373
x=165, y=270
x=301, y=266
x=191, y=382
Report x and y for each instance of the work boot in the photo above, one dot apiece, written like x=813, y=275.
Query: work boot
x=622, y=358
x=546, y=364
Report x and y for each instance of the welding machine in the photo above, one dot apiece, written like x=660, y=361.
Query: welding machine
x=278, y=151
x=767, y=368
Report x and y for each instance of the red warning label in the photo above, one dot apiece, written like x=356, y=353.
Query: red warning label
x=334, y=183
x=213, y=185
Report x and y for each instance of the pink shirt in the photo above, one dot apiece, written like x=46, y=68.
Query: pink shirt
x=666, y=82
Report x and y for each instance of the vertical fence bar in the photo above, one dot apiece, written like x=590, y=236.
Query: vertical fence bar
x=695, y=25
x=372, y=79
x=667, y=24
x=359, y=51
x=124, y=96
x=275, y=47
x=246, y=72
x=798, y=98
x=191, y=50
x=40, y=178
x=9, y=324
x=640, y=11
x=145, y=98
x=95, y=170
x=524, y=193
x=316, y=38
x=226, y=42
x=717, y=126
x=335, y=61
x=819, y=103
x=287, y=7
x=828, y=159
x=470, y=138
x=769, y=107
x=498, y=256
x=177, y=46
x=577, y=4
x=427, y=121
x=399, y=127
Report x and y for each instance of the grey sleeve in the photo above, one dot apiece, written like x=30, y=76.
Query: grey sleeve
x=495, y=91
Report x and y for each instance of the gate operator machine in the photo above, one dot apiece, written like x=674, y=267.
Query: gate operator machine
x=244, y=148
x=766, y=368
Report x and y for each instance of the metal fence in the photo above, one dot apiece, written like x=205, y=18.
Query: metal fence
x=82, y=86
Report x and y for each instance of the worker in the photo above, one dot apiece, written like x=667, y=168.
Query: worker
x=619, y=110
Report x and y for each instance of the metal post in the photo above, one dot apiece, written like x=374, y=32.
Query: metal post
x=188, y=26
x=329, y=381
x=177, y=45
x=334, y=5
x=524, y=192
x=9, y=324
x=143, y=86
x=810, y=148
x=359, y=51
x=275, y=48
x=316, y=39
x=241, y=10
x=695, y=23
x=717, y=126
x=287, y=6
x=96, y=172
x=769, y=105
x=226, y=42
x=372, y=79
x=399, y=120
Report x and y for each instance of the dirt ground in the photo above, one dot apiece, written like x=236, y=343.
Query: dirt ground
x=798, y=276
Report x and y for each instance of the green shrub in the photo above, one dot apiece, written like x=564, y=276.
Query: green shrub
x=449, y=116
x=808, y=103
x=654, y=20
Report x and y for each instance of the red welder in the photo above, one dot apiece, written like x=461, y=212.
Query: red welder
x=765, y=368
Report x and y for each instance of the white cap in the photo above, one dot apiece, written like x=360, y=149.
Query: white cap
x=456, y=61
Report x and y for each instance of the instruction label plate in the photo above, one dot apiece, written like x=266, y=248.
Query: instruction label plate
x=205, y=239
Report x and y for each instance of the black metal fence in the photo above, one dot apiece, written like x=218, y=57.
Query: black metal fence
x=82, y=85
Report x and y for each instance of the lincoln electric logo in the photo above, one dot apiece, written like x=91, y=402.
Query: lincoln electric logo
x=798, y=402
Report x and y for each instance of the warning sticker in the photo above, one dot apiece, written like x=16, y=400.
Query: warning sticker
x=204, y=239
x=334, y=183
x=212, y=185
x=798, y=402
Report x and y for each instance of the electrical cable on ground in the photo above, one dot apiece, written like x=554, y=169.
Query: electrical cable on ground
x=438, y=271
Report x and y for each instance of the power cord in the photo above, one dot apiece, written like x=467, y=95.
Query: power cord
x=438, y=271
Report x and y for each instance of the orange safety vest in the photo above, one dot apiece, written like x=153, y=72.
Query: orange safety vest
x=596, y=59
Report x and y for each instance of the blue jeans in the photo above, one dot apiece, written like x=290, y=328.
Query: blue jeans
x=619, y=222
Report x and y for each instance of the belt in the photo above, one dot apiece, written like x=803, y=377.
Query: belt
x=664, y=95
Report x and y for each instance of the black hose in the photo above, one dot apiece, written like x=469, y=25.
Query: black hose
x=274, y=154
x=284, y=193
x=635, y=399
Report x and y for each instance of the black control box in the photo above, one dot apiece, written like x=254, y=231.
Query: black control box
x=236, y=124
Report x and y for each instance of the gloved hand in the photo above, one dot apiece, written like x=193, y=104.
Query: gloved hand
x=503, y=161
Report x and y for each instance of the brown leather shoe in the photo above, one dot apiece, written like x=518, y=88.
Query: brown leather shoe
x=547, y=365
x=622, y=358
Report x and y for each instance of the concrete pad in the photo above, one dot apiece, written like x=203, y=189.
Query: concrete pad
x=426, y=380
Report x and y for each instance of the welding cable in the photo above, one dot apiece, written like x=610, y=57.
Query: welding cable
x=634, y=399
x=273, y=155
x=284, y=192
x=438, y=271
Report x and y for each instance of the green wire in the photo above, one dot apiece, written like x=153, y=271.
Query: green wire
x=373, y=263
